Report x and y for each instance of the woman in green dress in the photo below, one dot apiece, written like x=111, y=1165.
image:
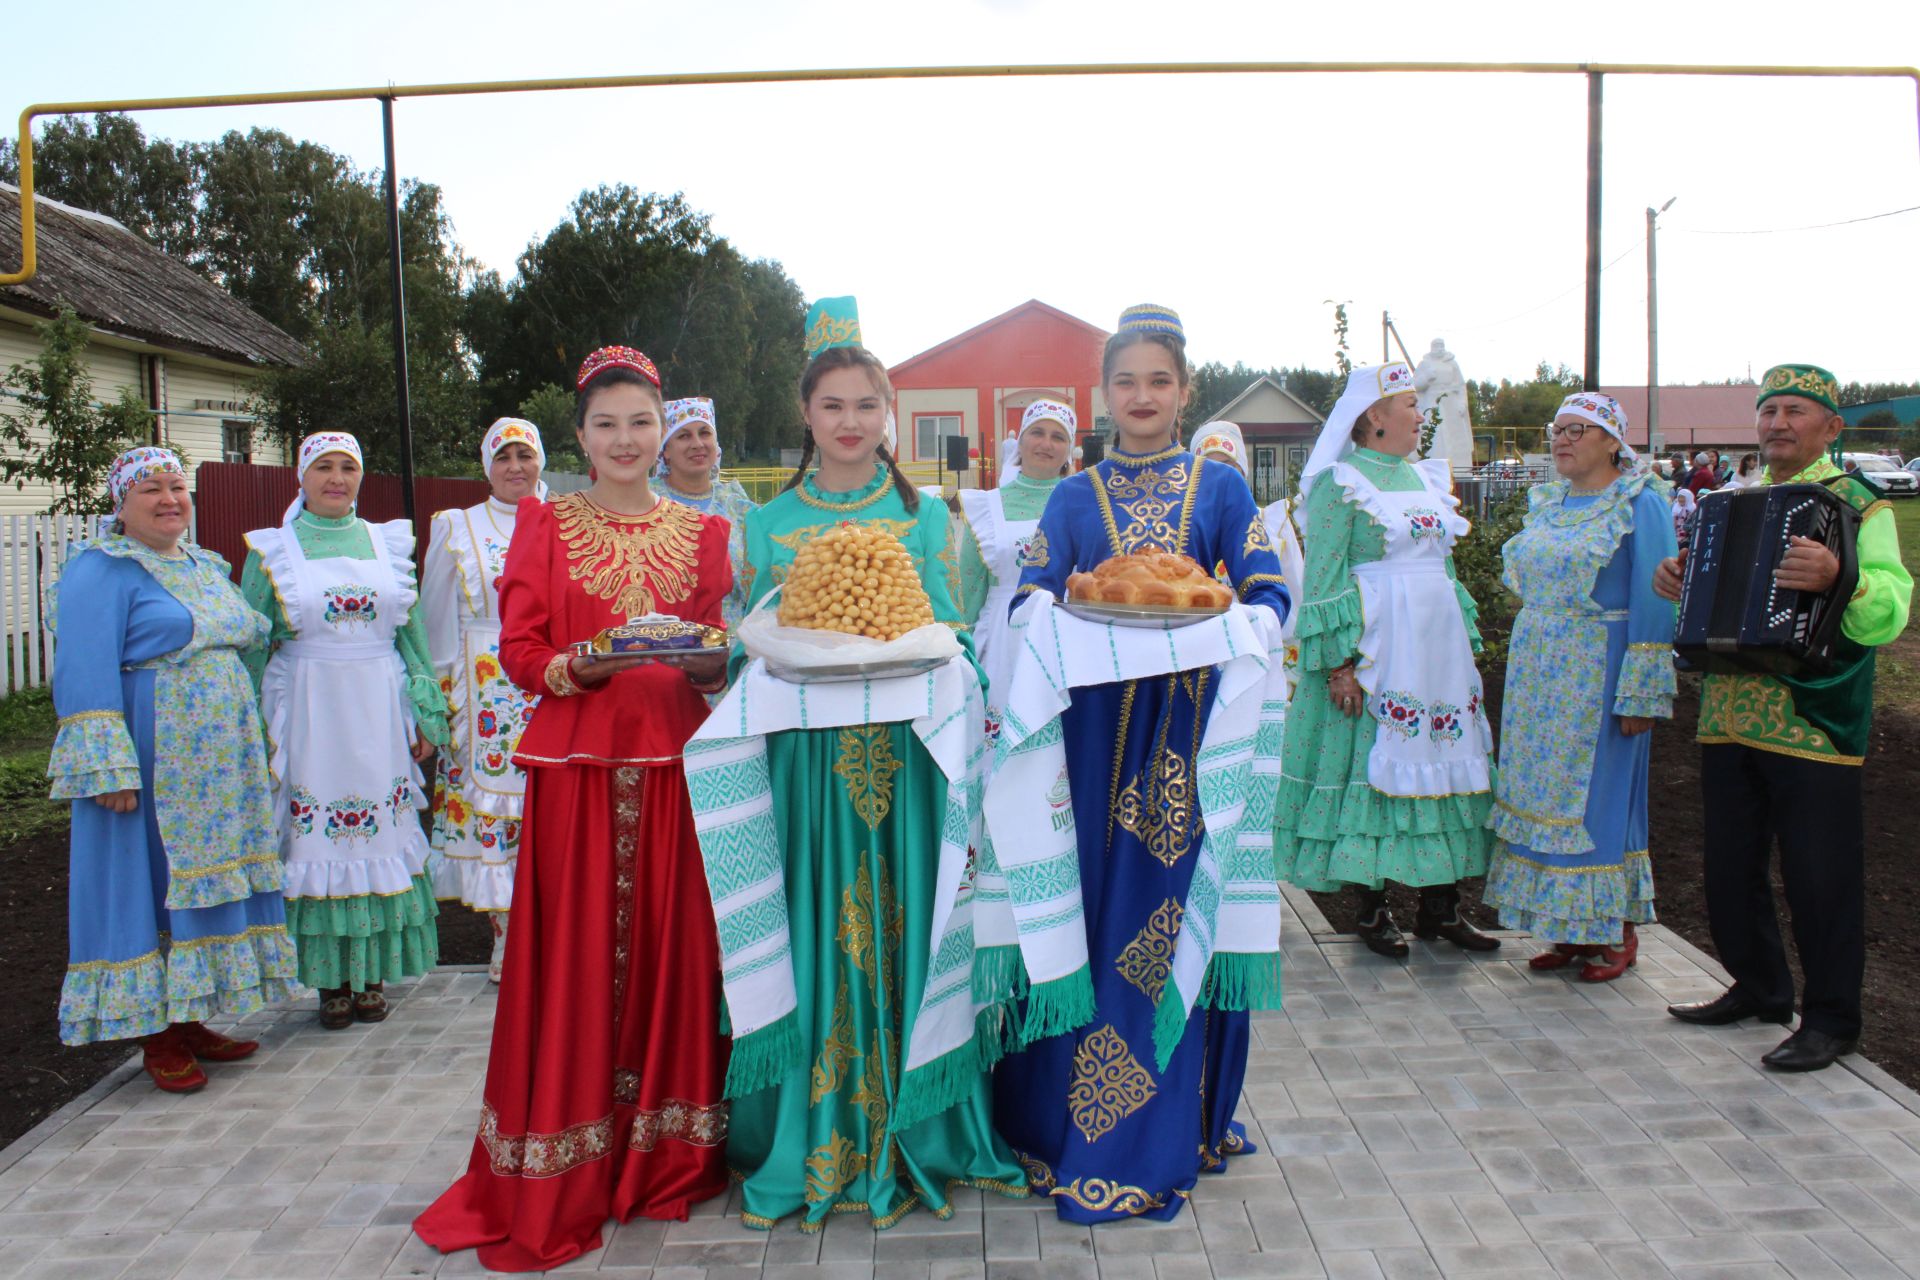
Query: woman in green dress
x=352, y=708
x=1385, y=774
x=858, y=812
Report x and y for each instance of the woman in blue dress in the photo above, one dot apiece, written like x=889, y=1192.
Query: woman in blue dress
x=1589, y=670
x=174, y=911
x=689, y=473
x=1095, y=1124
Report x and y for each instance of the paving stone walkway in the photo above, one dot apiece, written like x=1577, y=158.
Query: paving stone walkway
x=1453, y=1116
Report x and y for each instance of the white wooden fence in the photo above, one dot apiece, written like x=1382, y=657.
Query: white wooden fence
x=32, y=548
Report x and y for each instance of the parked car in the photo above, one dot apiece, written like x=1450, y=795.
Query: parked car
x=1884, y=473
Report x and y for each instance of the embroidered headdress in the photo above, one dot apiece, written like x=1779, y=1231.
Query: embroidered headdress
x=832, y=322
x=1808, y=380
x=312, y=449
x=1151, y=317
x=615, y=358
x=1037, y=412
x=1223, y=437
x=682, y=414
x=1606, y=413
x=506, y=431
x=138, y=464
x=1367, y=385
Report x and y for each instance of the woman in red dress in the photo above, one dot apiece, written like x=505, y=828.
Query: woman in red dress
x=603, y=1094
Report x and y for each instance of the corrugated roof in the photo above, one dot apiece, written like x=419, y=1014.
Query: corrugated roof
x=118, y=282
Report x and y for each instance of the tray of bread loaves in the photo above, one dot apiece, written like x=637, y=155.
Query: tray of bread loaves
x=852, y=608
x=1147, y=588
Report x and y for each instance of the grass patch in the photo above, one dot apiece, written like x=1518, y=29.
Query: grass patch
x=1897, y=666
x=26, y=736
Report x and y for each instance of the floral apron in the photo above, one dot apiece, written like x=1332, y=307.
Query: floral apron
x=1416, y=660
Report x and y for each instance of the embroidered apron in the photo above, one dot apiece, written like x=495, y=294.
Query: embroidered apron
x=490, y=711
x=339, y=724
x=1002, y=543
x=1431, y=736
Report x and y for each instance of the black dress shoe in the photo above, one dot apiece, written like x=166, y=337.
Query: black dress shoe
x=1727, y=1008
x=1382, y=935
x=1439, y=917
x=1808, y=1050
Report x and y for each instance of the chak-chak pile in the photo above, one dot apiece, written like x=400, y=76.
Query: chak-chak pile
x=856, y=580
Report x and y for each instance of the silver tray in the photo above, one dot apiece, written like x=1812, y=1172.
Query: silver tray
x=667, y=657
x=1159, y=617
x=846, y=673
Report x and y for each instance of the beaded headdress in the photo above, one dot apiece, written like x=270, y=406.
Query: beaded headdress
x=615, y=358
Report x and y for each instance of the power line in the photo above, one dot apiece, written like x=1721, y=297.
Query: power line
x=1477, y=328
x=1775, y=231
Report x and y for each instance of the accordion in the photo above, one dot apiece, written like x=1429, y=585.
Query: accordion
x=1733, y=616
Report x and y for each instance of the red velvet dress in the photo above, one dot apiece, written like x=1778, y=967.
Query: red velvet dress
x=603, y=1094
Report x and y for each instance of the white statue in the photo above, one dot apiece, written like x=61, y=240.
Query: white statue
x=1439, y=382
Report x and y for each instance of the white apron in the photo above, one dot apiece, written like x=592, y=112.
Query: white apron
x=1431, y=736
x=338, y=721
x=481, y=791
x=1002, y=543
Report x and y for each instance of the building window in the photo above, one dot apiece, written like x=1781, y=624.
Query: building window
x=236, y=441
x=929, y=429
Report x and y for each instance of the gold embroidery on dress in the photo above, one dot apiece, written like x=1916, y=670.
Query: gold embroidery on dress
x=1105, y=1195
x=636, y=563
x=1257, y=537
x=1146, y=499
x=837, y=1052
x=679, y=1121
x=543, y=1155
x=1109, y=1084
x=1039, y=1174
x=858, y=912
x=867, y=765
x=1148, y=959
x=871, y=1097
x=1160, y=815
x=831, y=1167
x=626, y=849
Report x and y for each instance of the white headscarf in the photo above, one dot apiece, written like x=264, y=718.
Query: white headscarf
x=312, y=449
x=1606, y=413
x=1037, y=412
x=1223, y=437
x=506, y=431
x=682, y=414
x=1366, y=385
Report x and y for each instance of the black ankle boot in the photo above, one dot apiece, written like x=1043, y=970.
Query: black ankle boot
x=1439, y=917
x=1376, y=927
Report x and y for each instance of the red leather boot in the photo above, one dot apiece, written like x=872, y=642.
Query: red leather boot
x=1612, y=963
x=170, y=1063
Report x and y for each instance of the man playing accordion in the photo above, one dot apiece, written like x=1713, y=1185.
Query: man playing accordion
x=1780, y=759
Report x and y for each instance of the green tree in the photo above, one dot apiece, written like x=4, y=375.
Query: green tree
x=56, y=434
x=1518, y=412
x=108, y=166
x=550, y=408
x=648, y=270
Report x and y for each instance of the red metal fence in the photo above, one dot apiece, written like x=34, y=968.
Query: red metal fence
x=232, y=497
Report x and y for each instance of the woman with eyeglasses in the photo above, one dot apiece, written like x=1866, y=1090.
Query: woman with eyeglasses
x=1589, y=669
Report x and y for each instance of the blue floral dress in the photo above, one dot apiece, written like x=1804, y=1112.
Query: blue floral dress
x=1591, y=643
x=174, y=912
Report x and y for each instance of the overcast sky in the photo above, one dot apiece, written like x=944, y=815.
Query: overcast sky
x=1245, y=202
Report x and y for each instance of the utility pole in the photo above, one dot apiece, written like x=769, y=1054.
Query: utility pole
x=1656, y=442
x=402, y=401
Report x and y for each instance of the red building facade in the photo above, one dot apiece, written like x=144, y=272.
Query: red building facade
x=977, y=384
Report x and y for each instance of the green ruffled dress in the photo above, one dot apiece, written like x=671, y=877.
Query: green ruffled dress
x=1331, y=827
x=358, y=940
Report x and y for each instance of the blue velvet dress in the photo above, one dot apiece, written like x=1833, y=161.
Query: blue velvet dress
x=1092, y=1121
x=174, y=909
